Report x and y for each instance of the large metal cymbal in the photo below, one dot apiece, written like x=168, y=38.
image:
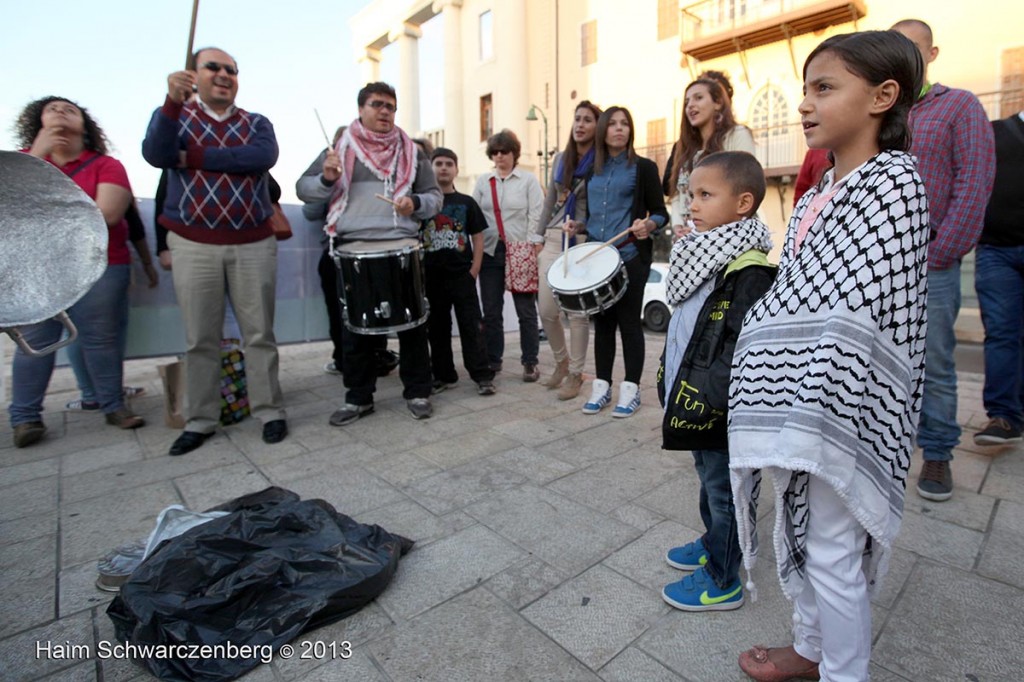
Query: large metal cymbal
x=53, y=241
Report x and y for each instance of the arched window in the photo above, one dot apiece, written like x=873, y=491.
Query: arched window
x=769, y=114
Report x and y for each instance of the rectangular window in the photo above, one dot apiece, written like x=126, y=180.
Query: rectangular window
x=486, y=118
x=1012, y=83
x=486, y=36
x=668, y=18
x=657, y=142
x=588, y=43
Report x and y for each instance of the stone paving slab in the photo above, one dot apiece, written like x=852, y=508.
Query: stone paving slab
x=953, y=625
x=521, y=508
x=633, y=665
x=561, y=532
x=471, y=638
x=596, y=615
x=433, y=574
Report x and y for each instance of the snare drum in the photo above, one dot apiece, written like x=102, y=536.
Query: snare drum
x=381, y=285
x=594, y=285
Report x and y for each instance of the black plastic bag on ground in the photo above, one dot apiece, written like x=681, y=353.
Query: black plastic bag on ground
x=274, y=568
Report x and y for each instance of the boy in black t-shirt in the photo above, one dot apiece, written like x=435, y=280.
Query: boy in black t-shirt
x=454, y=244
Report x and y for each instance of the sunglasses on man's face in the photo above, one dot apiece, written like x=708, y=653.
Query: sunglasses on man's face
x=217, y=66
x=381, y=104
x=500, y=152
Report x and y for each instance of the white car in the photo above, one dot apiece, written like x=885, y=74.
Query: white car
x=655, y=309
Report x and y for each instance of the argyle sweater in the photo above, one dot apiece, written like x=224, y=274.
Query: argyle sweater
x=827, y=373
x=221, y=195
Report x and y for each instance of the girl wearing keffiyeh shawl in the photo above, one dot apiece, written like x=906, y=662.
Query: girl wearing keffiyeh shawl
x=827, y=374
x=566, y=200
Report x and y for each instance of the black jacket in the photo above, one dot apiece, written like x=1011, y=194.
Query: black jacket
x=698, y=400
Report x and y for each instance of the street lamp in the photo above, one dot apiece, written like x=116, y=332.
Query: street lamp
x=532, y=116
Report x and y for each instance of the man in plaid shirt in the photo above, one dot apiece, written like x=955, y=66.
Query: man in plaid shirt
x=955, y=151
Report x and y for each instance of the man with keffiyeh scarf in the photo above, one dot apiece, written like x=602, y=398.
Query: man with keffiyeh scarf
x=375, y=157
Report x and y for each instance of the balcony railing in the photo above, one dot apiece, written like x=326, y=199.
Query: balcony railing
x=714, y=28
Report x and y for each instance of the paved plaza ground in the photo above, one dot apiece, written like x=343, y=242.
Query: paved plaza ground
x=540, y=534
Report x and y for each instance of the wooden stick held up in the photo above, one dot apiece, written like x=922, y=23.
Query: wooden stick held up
x=385, y=199
x=191, y=34
x=322, y=129
x=611, y=241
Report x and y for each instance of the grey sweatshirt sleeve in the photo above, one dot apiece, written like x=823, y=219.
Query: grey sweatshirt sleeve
x=425, y=189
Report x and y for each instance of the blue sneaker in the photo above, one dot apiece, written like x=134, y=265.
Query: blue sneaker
x=698, y=592
x=629, y=400
x=689, y=557
x=600, y=397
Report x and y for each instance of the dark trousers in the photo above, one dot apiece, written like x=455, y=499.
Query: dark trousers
x=492, y=299
x=719, y=515
x=447, y=290
x=360, y=365
x=624, y=316
x=332, y=301
x=999, y=280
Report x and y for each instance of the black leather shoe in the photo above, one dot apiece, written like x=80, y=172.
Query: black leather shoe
x=275, y=431
x=187, y=442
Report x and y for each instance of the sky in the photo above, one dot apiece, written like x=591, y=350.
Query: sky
x=113, y=57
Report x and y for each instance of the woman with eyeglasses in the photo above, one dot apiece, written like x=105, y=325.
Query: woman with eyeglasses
x=566, y=199
x=515, y=197
x=623, y=193
x=63, y=134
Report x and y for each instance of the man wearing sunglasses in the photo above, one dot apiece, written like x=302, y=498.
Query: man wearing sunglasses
x=379, y=186
x=218, y=209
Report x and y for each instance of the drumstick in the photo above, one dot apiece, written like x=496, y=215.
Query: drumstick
x=322, y=129
x=191, y=35
x=384, y=198
x=565, y=251
x=611, y=241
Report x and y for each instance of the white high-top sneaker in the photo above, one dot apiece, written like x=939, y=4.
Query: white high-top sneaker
x=600, y=396
x=629, y=400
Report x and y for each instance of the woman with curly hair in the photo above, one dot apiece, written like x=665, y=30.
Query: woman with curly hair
x=708, y=126
x=63, y=134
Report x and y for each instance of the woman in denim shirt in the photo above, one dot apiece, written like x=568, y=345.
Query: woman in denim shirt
x=624, y=192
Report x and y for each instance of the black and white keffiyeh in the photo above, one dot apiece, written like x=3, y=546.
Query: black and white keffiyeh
x=827, y=373
x=699, y=256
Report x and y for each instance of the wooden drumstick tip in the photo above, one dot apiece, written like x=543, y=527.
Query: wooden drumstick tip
x=386, y=199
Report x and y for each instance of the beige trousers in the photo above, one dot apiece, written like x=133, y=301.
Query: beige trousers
x=551, y=314
x=203, y=274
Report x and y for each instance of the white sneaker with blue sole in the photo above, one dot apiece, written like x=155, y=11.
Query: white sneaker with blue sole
x=629, y=400
x=600, y=397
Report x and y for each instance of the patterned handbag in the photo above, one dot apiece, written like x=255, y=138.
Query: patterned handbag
x=522, y=275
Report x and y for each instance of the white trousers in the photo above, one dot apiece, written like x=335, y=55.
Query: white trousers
x=832, y=616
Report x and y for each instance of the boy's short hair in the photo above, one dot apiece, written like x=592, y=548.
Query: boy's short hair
x=446, y=153
x=742, y=171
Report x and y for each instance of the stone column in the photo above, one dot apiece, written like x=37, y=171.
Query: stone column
x=369, y=66
x=408, y=88
x=454, y=131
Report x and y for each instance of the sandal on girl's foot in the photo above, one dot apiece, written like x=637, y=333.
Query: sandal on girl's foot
x=758, y=664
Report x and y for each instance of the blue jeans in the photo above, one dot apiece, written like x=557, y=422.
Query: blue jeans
x=77, y=361
x=98, y=316
x=999, y=280
x=939, y=431
x=719, y=515
x=492, y=300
